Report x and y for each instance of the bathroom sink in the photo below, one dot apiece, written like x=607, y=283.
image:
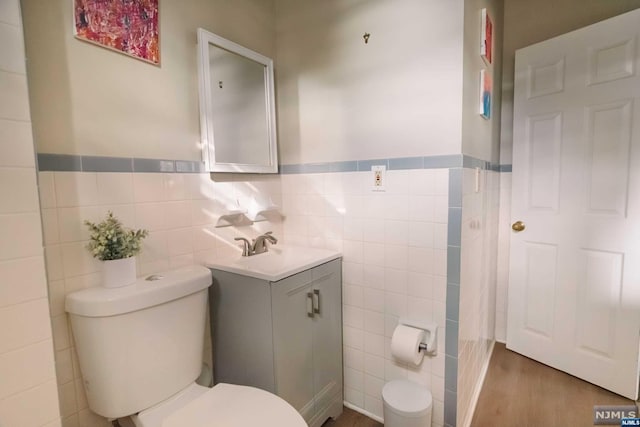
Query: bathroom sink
x=279, y=262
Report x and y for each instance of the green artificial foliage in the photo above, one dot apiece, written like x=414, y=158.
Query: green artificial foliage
x=111, y=240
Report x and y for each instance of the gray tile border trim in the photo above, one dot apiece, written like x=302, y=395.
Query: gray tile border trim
x=70, y=163
x=315, y=168
x=453, y=302
x=455, y=188
x=348, y=166
x=443, y=162
x=454, y=241
x=78, y=163
x=450, y=408
x=453, y=265
x=106, y=164
x=153, y=165
x=404, y=163
x=365, y=165
x=59, y=162
x=451, y=339
x=454, y=227
x=472, y=162
x=290, y=169
x=451, y=373
x=189, y=166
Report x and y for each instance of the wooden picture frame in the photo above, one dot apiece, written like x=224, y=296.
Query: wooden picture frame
x=486, y=37
x=130, y=27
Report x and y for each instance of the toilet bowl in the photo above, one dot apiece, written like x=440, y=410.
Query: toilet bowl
x=140, y=352
x=406, y=404
x=223, y=405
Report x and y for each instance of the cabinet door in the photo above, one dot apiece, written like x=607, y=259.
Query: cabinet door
x=327, y=333
x=292, y=337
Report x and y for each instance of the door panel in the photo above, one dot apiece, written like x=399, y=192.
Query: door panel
x=544, y=146
x=545, y=78
x=611, y=62
x=540, y=288
x=608, y=138
x=599, y=300
x=574, y=280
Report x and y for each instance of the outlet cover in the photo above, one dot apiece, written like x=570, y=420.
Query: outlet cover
x=378, y=176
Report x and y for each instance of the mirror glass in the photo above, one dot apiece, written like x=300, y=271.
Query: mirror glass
x=237, y=113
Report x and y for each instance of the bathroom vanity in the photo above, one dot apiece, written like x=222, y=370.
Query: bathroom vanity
x=276, y=324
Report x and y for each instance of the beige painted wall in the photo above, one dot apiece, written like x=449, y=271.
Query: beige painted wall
x=341, y=99
x=92, y=101
x=481, y=137
x=527, y=22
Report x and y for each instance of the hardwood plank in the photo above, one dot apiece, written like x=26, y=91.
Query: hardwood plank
x=519, y=391
x=351, y=418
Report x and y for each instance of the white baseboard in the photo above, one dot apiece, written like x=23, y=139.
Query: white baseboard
x=478, y=389
x=363, y=412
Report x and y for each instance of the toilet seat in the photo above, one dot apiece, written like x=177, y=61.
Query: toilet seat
x=224, y=405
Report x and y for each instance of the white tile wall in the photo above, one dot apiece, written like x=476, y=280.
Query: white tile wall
x=477, y=284
x=180, y=210
x=28, y=394
x=504, y=236
x=393, y=266
x=16, y=143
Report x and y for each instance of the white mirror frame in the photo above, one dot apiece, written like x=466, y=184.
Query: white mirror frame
x=270, y=165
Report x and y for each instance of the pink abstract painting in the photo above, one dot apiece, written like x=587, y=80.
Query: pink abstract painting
x=128, y=26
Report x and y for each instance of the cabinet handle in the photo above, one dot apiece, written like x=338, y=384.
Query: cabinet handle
x=316, y=308
x=309, y=304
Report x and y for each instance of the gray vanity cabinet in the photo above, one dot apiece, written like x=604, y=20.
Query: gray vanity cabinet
x=283, y=336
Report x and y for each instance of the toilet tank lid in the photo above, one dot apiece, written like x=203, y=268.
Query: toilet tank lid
x=166, y=286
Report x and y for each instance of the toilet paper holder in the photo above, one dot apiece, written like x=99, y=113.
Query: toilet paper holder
x=431, y=346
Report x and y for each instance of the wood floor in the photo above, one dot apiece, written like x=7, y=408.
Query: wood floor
x=522, y=392
x=350, y=418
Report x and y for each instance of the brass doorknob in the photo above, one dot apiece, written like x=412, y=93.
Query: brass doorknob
x=518, y=226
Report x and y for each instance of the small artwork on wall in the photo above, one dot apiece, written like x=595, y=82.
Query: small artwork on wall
x=486, y=86
x=486, y=37
x=130, y=27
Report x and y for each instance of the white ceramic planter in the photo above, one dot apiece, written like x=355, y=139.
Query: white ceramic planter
x=118, y=272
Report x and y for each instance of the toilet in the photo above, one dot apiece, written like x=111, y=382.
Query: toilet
x=406, y=404
x=140, y=352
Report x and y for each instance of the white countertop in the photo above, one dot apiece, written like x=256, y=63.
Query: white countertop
x=279, y=262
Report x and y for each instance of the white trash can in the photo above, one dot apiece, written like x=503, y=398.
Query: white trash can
x=406, y=404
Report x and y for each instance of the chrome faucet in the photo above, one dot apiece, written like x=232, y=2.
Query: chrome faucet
x=246, y=246
x=259, y=244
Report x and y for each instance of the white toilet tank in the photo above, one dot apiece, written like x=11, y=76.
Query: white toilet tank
x=140, y=344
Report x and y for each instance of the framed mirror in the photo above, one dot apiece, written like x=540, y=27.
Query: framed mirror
x=237, y=107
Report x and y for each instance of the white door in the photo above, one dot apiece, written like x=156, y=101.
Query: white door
x=574, y=283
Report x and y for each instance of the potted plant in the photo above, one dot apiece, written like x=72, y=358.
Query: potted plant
x=116, y=246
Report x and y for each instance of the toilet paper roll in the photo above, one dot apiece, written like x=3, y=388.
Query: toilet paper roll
x=405, y=343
